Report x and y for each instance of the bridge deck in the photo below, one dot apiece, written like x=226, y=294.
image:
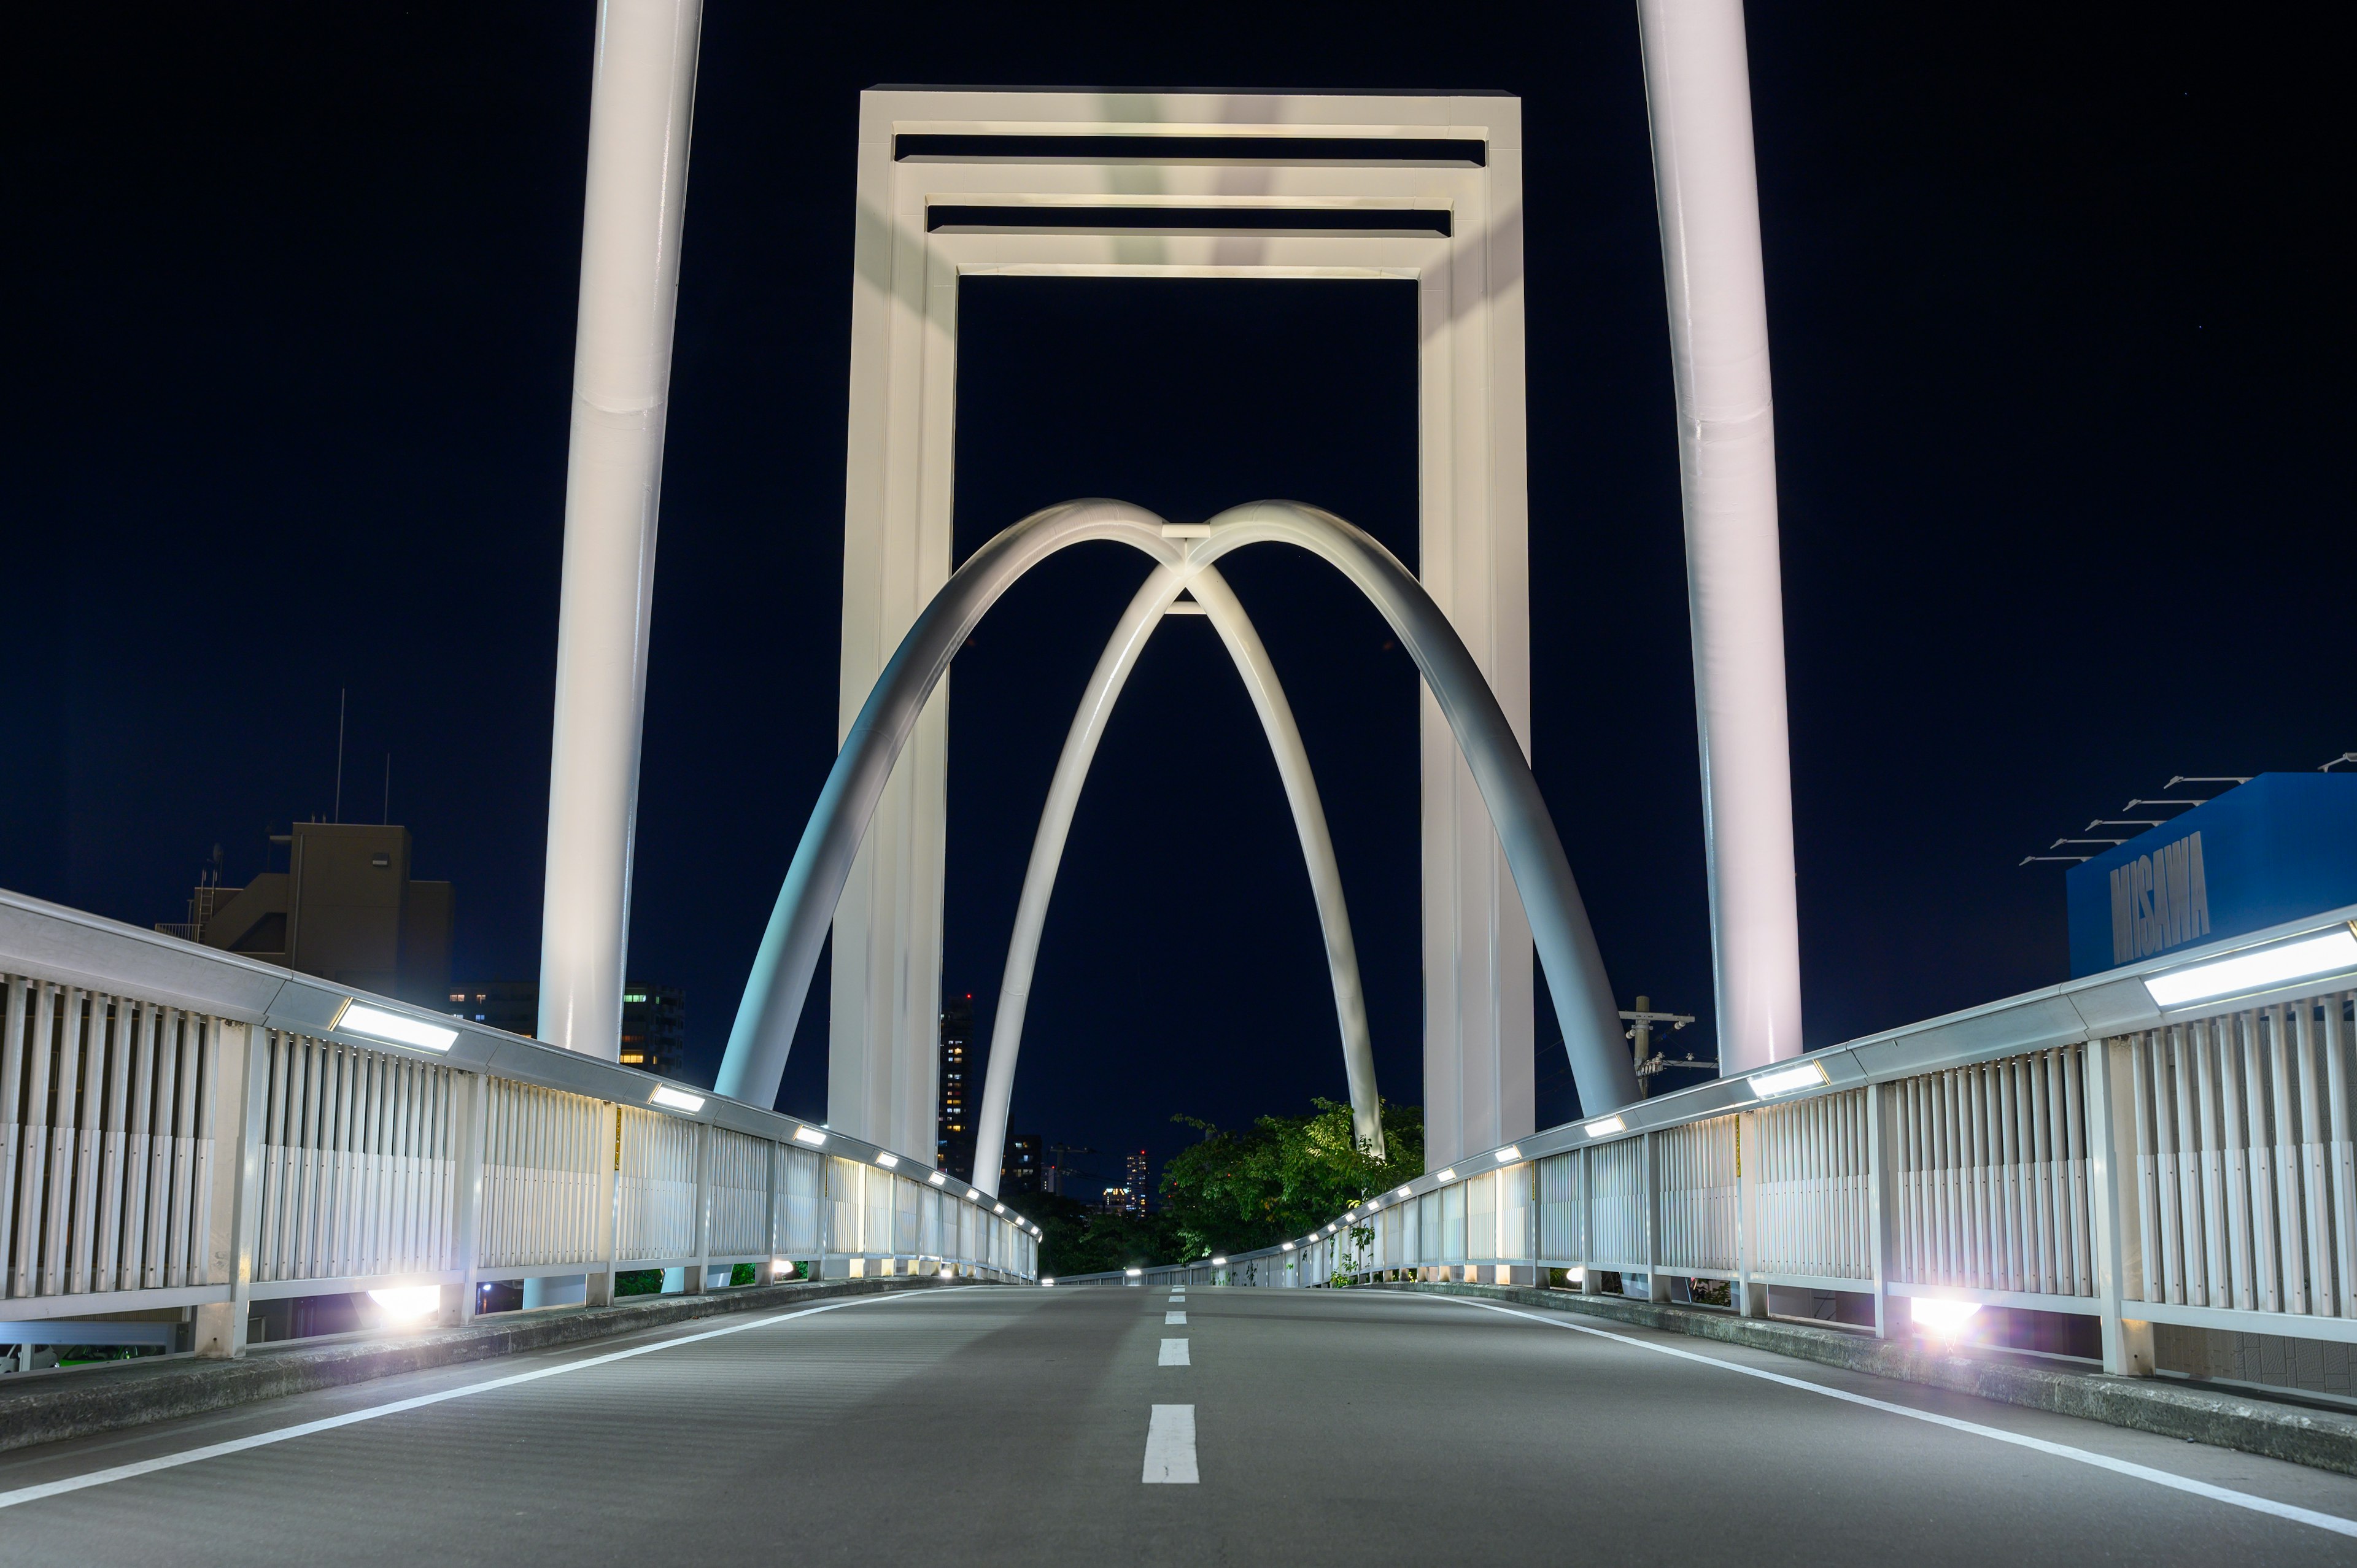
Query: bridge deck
x=1000, y=1425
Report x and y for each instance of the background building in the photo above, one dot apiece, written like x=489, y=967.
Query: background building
x=345, y=909
x=654, y=1018
x=1019, y=1171
x=954, y=1121
x=1138, y=1187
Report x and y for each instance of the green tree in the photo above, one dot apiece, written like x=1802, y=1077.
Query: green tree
x=1077, y=1240
x=1234, y=1192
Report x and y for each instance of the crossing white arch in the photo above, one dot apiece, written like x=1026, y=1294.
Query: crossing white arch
x=1130, y=634
x=796, y=934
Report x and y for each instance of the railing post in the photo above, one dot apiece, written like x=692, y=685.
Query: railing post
x=1656, y=1287
x=1882, y=1206
x=470, y=1118
x=766, y=1270
x=1751, y=1297
x=599, y=1286
x=241, y=1083
x=1591, y=1278
x=2127, y=1342
x=701, y=1267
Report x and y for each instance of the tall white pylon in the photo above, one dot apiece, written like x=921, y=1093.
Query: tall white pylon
x=642, y=104
x=1698, y=89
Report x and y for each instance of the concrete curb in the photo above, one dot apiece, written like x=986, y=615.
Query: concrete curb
x=82, y=1402
x=2321, y=1440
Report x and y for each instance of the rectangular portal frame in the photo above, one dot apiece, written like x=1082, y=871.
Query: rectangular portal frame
x=958, y=182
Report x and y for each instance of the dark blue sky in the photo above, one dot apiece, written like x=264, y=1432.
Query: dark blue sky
x=2060, y=342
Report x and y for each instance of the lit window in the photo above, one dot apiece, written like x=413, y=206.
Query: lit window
x=632, y=1057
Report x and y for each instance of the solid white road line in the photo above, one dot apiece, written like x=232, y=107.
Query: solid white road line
x=1170, y=1446
x=1174, y=1319
x=285, y=1433
x=2298, y=1515
x=1174, y=1354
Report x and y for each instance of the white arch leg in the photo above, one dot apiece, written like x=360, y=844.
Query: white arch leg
x=1227, y=616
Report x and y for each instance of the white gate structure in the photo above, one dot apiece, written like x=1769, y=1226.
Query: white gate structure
x=186, y=1129
x=956, y=183
x=2163, y=1147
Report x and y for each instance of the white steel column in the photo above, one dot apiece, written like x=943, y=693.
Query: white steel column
x=641, y=104
x=1473, y=558
x=1698, y=88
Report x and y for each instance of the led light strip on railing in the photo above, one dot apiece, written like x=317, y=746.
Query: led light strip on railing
x=2256, y=969
x=356, y=1017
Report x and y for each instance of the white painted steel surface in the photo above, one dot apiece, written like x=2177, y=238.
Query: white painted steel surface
x=1698, y=93
x=1153, y=601
x=642, y=101
x=195, y=1134
x=790, y=946
x=1472, y=507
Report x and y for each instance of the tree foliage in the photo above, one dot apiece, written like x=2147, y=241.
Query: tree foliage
x=1077, y=1240
x=1234, y=1192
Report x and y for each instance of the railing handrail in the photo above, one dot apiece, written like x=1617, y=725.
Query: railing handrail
x=74, y=947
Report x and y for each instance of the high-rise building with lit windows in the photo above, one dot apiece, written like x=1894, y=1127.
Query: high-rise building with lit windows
x=1136, y=1201
x=954, y=1124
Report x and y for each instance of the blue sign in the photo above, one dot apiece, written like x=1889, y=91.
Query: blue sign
x=2282, y=846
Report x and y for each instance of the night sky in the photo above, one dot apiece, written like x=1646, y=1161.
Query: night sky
x=2060, y=344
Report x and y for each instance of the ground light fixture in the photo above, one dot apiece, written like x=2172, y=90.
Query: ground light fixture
x=1050, y=1281
x=405, y=1304
x=360, y=1018
x=677, y=1099
x=809, y=1136
x=1605, y=1127
x=1789, y=1080
x=1133, y=1273
x=2256, y=969
x=1942, y=1316
x=1509, y=1155
x=886, y=1161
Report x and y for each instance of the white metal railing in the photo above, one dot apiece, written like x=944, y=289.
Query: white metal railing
x=187, y=1128
x=2081, y=1150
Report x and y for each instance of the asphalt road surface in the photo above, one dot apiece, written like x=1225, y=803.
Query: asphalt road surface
x=999, y=1424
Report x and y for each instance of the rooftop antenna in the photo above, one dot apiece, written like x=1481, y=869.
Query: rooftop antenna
x=2344, y=757
x=2188, y=778
x=338, y=813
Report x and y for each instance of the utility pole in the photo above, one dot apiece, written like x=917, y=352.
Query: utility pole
x=1640, y=1030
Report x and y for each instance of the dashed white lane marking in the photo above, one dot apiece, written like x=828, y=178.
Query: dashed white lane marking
x=1170, y=1446
x=285, y=1433
x=2226, y=1495
x=1174, y=1354
x=1174, y=1319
